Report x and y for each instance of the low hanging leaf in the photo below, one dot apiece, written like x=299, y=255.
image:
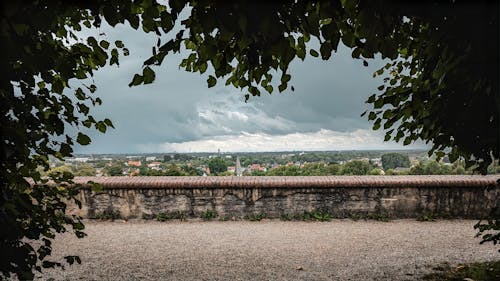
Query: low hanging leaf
x=101, y=126
x=104, y=44
x=149, y=75
x=137, y=80
x=119, y=44
x=211, y=81
x=83, y=139
x=109, y=123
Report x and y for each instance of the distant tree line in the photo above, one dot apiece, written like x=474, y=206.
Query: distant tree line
x=392, y=164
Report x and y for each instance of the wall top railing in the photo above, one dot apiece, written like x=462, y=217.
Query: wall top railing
x=126, y=182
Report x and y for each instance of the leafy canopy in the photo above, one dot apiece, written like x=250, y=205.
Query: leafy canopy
x=394, y=160
x=217, y=165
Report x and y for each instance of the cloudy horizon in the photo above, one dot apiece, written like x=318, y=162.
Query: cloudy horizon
x=179, y=113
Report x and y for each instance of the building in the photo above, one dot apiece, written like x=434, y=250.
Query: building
x=377, y=162
x=257, y=168
x=132, y=163
x=239, y=170
x=154, y=166
x=205, y=169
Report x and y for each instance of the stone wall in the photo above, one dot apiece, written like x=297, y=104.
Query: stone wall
x=274, y=197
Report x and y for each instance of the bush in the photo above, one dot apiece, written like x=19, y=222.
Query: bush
x=161, y=217
x=108, y=215
x=208, y=215
x=316, y=216
x=356, y=167
x=256, y=217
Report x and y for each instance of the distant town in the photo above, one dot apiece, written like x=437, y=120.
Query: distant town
x=317, y=163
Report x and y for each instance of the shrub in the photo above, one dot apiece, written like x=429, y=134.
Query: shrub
x=208, y=215
x=161, y=217
x=286, y=217
x=256, y=217
x=316, y=216
x=428, y=216
x=108, y=215
x=379, y=217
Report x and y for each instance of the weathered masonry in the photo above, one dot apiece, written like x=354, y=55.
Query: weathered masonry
x=339, y=196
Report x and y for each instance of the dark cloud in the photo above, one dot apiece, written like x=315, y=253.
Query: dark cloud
x=178, y=107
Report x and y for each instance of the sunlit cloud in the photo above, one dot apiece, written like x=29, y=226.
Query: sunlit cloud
x=321, y=140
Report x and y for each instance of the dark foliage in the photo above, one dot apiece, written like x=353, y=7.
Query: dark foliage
x=394, y=160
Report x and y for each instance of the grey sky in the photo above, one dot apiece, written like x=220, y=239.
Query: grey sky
x=179, y=113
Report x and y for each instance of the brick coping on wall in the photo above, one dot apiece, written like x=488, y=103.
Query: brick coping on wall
x=127, y=182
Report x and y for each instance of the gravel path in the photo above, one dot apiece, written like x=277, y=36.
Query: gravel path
x=268, y=250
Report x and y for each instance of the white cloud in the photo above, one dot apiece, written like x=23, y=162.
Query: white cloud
x=226, y=113
x=259, y=142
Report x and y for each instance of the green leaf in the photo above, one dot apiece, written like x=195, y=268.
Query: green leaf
x=87, y=123
x=101, y=126
x=203, y=67
x=314, y=53
x=104, y=44
x=285, y=78
x=137, y=80
x=65, y=149
x=378, y=103
x=282, y=87
x=190, y=45
x=58, y=86
x=371, y=99
x=79, y=94
x=80, y=74
x=439, y=154
x=119, y=44
x=269, y=88
x=326, y=50
x=211, y=81
x=372, y=116
x=83, y=139
x=149, y=75
x=96, y=187
x=114, y=57
x=356, y=53
x=108, y=123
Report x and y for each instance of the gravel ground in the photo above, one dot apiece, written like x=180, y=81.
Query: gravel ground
x=268, y=250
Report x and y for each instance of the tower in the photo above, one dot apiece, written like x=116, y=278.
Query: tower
x=239, y=172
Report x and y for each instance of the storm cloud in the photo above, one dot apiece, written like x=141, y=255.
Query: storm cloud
x=178, y=112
